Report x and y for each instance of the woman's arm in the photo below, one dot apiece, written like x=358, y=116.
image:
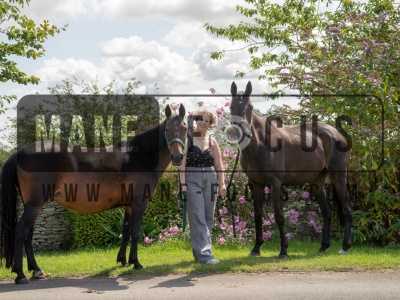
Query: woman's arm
x=219, y=167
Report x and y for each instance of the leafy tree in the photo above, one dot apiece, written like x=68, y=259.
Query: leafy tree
x=25, y=39
x=326, y=52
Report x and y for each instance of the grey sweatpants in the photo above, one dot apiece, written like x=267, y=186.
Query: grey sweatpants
x=201, y=189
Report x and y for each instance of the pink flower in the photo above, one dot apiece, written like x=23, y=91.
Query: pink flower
x=266, y=223
x=305, y=195
x=252, y=214
x=227, y=103
x=174, y=230
x=243, y=231
x=160, y=239
x=234, y=156
x=220, y=110
x=293, y=219
x=222, y=226
x=225, y=153
x=312, y=223
x=241, y=199
x=289, y=235
x=221, y=241
x=318, y=229
x=190, y=113
x=266, y=190
x=236, y=218
x=292, y=212
x=242, y=224
x=313, y=213
x=267, y=235
x=147, y=240
x=213, y=91
x=294, y=193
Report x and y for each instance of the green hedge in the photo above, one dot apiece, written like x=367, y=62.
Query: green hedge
x=100, y=229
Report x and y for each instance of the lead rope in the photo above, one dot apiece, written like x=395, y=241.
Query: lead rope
x=230, y=198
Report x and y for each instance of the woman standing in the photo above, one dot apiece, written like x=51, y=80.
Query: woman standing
x=202, y=177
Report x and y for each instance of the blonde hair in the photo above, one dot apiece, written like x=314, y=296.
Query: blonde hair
x=207, y=112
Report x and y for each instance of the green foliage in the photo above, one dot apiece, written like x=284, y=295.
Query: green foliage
x=378, y=221
x=351, y=49
x=98, y=230
x=25, y=39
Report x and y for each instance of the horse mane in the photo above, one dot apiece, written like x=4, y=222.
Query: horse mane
x=147, y=141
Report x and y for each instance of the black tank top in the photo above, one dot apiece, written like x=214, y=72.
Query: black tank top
x=197, y=158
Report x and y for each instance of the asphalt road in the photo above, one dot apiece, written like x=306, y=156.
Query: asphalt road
x=361, y=285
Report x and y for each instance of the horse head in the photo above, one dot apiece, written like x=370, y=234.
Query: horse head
x=175, y=134
x=241, y=106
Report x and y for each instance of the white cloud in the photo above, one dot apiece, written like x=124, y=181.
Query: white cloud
x=61, y=10
x=125, y=58
x=178, y=9
x=55, y=70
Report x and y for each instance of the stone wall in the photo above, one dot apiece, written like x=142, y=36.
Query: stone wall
x=51, y=229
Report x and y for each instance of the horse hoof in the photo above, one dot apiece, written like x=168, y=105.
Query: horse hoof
x=343, y=252
x=38, y=274
x=253, y=253
x=283, y=256
x=123, y=263
x=23, y=280
x=138, y=267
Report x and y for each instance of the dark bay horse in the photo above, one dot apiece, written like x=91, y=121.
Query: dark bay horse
x=121, y=178
x=274, y=157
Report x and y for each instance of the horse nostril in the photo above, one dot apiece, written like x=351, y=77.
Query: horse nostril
x=181, y=157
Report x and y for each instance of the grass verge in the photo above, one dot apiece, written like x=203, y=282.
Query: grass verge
x=176, y=258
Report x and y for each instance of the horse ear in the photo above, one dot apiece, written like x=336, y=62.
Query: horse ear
x=182, y=110
x=233, y=89
x=249, y=89
x=168, y=111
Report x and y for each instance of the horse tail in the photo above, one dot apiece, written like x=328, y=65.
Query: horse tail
x=8, y=209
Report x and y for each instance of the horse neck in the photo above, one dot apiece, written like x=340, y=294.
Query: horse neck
x=257, y=129
x=148, y=146
x=163, y=151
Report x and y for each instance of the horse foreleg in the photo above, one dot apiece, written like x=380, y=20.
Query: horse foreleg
x=30, y=256
x=126, y=233
x=258, y=198
x=280, y=219
x=135, y=231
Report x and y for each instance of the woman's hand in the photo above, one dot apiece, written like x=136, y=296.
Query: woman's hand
x=222, y=191
x=183, y=189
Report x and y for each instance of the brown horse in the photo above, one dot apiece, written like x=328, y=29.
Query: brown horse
x=121, y=178
x=274, y=155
